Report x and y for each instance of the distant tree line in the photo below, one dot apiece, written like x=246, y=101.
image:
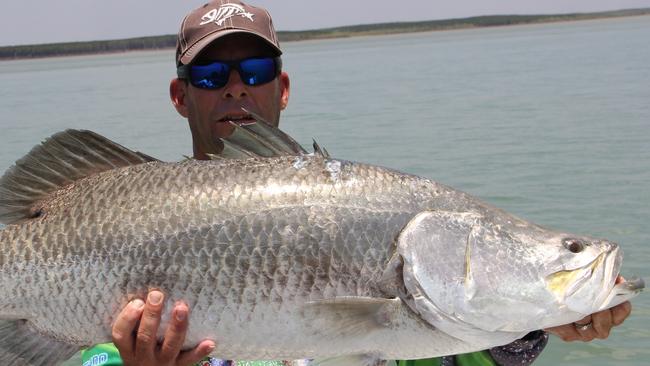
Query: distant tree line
x=169, y=41
x=446, y=24
x=81, y=48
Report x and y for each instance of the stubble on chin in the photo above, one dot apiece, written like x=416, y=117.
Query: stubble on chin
x=212, y=143
x=222, y=130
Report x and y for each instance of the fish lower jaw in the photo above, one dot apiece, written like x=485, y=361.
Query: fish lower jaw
x=622, y=292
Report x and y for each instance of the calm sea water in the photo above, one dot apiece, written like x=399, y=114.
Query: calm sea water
x=550, y=122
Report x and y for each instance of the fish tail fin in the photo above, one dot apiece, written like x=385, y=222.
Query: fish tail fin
x=60, y=160
x=22, y=346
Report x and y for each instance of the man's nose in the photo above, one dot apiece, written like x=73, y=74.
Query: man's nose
x=235, y=88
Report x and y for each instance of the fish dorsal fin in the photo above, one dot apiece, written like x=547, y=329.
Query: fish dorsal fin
x=320, y=151
x=258, y=139
x=60, y=160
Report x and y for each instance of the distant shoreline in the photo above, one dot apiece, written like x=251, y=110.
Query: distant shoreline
x=169, y=41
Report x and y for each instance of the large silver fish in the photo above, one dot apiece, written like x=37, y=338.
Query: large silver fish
x=279, y=254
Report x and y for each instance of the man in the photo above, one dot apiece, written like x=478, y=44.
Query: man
x=228, y=59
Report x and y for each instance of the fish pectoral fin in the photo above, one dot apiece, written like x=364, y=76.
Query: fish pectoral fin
x=63, y=158
x=351, y=316
x=22, y=346
x=353, y=360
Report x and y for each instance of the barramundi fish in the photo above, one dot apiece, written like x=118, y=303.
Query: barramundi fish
x=280, y=254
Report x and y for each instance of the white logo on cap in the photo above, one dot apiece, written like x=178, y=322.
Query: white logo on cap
x=224, y=12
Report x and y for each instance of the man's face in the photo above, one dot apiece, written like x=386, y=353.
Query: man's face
x=209, y=111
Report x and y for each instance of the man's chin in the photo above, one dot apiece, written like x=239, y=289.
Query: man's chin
x=222, y=129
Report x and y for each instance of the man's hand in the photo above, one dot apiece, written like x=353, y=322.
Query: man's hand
x=594, y=326
x=134, y=335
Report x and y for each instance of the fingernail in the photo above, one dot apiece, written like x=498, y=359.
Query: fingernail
x=137, y=304
x=211, y=347
x=181, y=314
x=154, y=297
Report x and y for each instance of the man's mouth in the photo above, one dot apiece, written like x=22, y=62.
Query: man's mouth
x=238, y=119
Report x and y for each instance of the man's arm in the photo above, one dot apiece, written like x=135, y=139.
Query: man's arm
x=134, y=335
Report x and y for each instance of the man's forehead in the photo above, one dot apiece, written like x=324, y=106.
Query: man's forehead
x=236, y=46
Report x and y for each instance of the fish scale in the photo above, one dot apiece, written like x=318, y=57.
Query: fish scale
x=226, y=234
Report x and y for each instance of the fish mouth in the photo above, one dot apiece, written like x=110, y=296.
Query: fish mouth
x=622, y=292
x=604, y=268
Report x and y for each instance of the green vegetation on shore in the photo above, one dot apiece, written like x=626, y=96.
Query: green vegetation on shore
x=169, y=41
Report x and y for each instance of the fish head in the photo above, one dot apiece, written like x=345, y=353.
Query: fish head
x=470, y=274
x=583, y=277
x=581, y=273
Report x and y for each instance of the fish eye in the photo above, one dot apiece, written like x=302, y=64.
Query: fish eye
x=574, y=245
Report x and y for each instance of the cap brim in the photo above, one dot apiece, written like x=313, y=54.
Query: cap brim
x=197, y=47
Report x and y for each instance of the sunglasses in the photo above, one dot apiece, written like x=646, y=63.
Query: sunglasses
x=215, y=75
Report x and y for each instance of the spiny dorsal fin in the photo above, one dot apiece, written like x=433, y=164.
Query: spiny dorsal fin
x=276, y=136
x=258, y=139
x=60, y=160
x=320, y=152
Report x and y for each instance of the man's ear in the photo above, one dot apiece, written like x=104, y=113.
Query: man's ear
x=177, y=93
x=285, y=88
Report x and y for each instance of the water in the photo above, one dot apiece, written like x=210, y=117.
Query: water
x=550, y=122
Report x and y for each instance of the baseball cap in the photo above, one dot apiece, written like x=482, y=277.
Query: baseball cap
x=218, y=18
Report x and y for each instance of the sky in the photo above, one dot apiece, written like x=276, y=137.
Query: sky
x=27, y=22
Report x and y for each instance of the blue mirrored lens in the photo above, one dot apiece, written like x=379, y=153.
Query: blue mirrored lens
x=211, y=76
x=257, y=71
x=252, y=71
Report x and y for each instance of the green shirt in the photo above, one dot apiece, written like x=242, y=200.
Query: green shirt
x=107, y=355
